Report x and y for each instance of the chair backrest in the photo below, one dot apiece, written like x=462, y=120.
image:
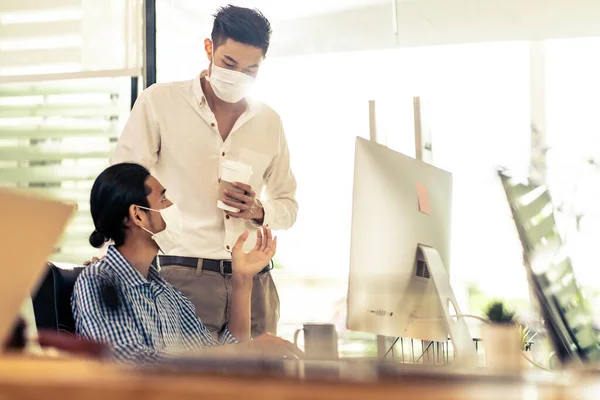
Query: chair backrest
x=52, y=301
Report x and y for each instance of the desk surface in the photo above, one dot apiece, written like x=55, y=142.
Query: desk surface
x=73, y=379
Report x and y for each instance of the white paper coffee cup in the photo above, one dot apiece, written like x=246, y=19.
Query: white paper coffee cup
x=232, y=171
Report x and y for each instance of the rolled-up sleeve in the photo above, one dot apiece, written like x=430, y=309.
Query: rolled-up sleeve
x=227, y=338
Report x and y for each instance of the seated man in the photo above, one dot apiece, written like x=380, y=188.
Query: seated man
x=122, y=300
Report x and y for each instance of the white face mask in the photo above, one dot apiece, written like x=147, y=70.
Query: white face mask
x=229, y=86
x=167, y=239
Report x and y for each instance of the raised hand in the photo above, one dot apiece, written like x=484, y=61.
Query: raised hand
x=249, y=264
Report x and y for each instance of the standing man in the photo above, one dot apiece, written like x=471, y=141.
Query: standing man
x=182, y=132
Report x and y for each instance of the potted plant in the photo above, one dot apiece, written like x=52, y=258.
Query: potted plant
x=502, y=339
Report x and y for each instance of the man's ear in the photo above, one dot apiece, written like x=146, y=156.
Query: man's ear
x=135, y=215
x=208, y=47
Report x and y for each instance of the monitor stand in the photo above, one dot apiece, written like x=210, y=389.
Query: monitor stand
x=465, y=353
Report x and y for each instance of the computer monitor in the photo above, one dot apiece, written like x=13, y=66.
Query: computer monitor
x=399, y=203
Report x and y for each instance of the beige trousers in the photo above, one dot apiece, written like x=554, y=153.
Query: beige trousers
x=210, y=292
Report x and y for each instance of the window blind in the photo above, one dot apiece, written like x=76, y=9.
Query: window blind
x=55, y=138
x=65, y=91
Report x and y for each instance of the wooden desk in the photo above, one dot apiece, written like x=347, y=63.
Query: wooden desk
x=23, y=378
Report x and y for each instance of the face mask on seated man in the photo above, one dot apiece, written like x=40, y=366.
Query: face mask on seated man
x=121, y=300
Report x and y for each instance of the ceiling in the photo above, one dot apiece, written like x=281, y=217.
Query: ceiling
x=457, y=21
x=280, y=9
x=313, y=26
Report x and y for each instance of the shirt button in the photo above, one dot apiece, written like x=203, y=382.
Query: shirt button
x=223, y=154
x=227, y=217
x=219, y=180
x=227, y=247
x=213, y=124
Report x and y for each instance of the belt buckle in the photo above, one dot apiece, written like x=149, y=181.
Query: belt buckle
x=222, y=267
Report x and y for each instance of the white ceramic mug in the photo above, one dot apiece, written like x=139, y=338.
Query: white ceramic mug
x=320, y=341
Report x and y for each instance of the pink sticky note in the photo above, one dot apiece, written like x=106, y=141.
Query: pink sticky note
x=423, y=196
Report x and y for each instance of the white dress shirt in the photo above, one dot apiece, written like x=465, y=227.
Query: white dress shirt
x=173, y=132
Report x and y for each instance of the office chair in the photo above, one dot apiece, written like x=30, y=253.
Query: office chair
x=52, y=301
x=54, y=318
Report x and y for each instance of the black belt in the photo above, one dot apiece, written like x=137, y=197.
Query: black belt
x=221, y=266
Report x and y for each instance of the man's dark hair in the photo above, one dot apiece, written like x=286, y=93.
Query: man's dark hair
x=243, y=25
x=114, y=191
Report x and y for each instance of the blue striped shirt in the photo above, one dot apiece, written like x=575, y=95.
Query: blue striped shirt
x=151, y=320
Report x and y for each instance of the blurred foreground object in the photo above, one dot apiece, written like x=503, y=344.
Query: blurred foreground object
x=31, y=227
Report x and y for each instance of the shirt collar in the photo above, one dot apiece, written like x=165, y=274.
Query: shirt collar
x=201, y=98
x=197, y=88
x=129, y=275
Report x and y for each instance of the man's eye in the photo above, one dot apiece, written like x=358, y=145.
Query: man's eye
x=228, y=65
